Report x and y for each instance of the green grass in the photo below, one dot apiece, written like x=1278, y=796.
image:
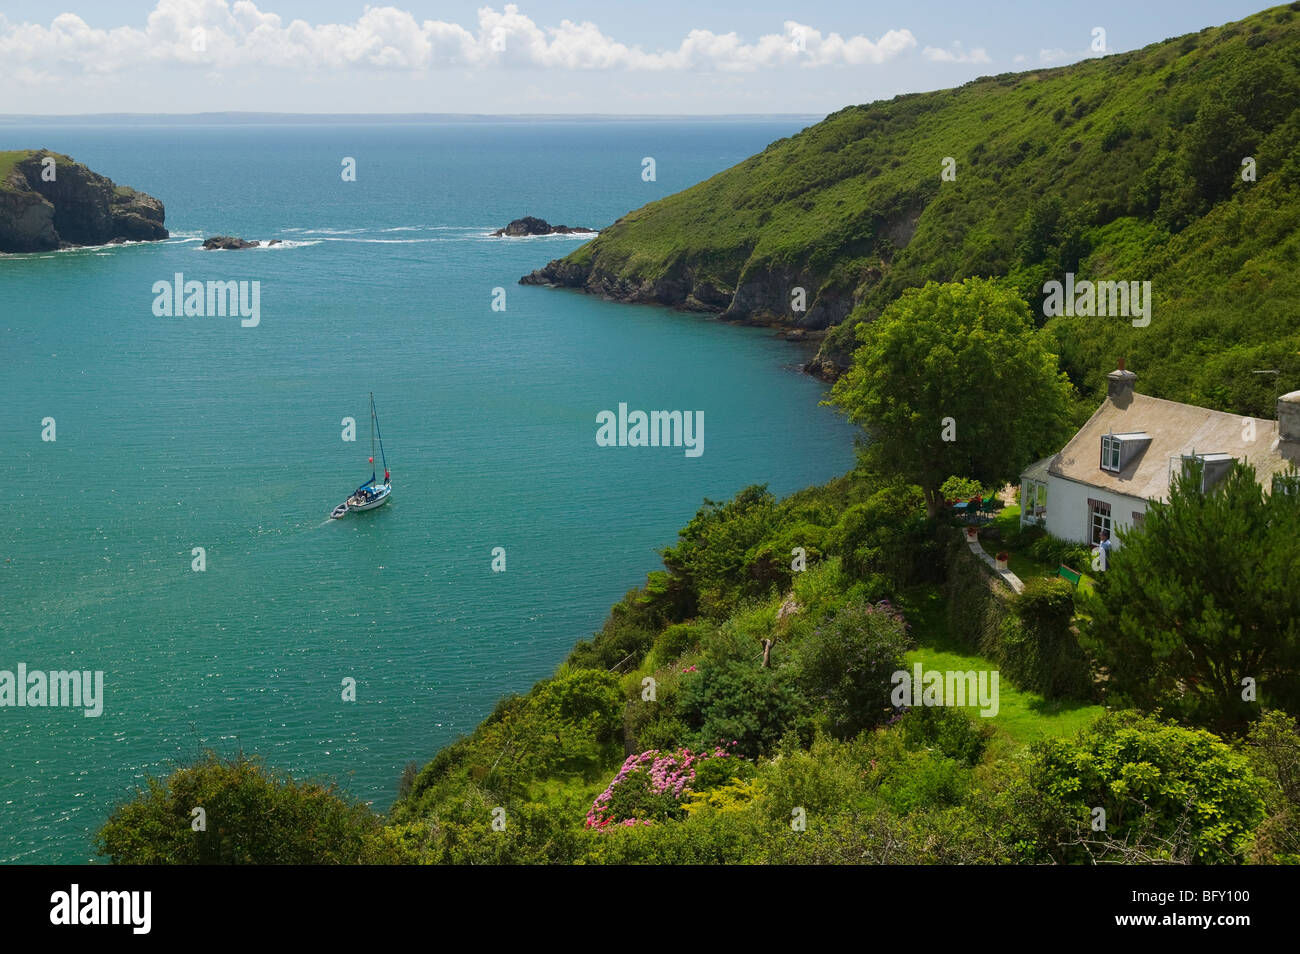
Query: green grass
x=1023, y=717
x=9, y=159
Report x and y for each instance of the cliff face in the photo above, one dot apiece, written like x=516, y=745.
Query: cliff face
x=758, y=296
x=79, y=207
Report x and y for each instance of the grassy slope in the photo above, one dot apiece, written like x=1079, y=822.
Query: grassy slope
x=833, y=204
x=9, y=159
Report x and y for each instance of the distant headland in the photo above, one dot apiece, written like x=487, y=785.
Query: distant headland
x=49, y=201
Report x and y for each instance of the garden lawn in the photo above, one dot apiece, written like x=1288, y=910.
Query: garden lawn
x=1023, y=717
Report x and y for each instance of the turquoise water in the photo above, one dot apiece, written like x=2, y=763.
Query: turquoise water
x=175, y=433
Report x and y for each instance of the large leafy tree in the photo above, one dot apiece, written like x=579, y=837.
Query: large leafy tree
x=963, y=351
x=1201, y=597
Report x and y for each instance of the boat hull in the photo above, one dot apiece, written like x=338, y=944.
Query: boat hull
x=384, y=492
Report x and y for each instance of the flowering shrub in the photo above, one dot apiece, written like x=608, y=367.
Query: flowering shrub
x=649, y=786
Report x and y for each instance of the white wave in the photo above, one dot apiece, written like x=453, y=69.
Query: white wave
x=554, y=235
x=327, y=231
x=379, y=241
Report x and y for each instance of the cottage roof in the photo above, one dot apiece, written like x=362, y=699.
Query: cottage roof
x=1175, y=429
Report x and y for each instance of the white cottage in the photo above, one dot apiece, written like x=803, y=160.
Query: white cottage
x=1131, y=448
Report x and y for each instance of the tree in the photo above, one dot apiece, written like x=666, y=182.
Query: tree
x=1213, y=147
x=951, y=379
x=1201, y=597
x=237, y=811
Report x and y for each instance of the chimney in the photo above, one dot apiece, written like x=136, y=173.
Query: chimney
x=1119, y=386
x=1288, y=425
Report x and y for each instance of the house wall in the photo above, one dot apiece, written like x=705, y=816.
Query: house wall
x=1067, y=509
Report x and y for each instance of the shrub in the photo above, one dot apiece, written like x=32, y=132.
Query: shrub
x=1037, y=647
x=254, y=816
x=960, y=488
x=948, y=730
x=649, y=787
x=1050, y=550
x=846, y=663
x=1275, y=753
x=732, y=697
x=676, y=641
x=888, y=536
x=1169, y=793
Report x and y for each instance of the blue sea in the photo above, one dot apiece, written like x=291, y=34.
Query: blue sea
x=177, y=433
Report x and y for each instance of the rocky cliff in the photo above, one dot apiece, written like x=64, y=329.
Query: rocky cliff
x=46, y=206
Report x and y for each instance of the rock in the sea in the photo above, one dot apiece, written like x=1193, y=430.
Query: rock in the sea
x=530, y=225
x=47, y=205
x=228, y=243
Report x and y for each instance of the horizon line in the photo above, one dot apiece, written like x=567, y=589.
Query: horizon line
x=262, y=115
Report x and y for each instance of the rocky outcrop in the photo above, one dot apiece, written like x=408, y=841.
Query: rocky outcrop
x=231, y=244
x=46, y=206
x=530, y=225
x=760, y=297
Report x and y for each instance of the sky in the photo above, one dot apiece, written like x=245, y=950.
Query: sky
x=663, y=57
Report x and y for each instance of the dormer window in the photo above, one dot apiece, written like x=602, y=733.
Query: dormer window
x=1118, y=449
x=1213, y=467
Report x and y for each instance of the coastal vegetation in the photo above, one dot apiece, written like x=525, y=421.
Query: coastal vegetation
x=1127, y=167
x=736, y=706
x=734, y=709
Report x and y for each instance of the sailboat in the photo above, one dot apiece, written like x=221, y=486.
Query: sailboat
x=372, y=493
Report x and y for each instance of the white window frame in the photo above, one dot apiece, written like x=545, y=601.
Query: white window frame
x=1099, y=519
x=1111, y=448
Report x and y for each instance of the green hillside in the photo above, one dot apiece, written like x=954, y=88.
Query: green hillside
x=1126, y=167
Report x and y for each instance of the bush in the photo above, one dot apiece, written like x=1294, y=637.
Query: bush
x=1056, y=552
x=1275, y=753
x=948, y=730
x=676, y=641
x=961, y=488
x=846, y=664
x=887, y=537
x=1169, y=793
x=254, y=816
x=734, y=698
x=649, y=787
x=1037, y=647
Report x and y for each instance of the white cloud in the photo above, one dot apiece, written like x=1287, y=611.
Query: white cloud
x=1047, y=57
x=218, y=35
x=956, y=54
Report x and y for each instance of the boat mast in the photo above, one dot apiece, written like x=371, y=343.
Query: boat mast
x=372, y=437
x=379, y=431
